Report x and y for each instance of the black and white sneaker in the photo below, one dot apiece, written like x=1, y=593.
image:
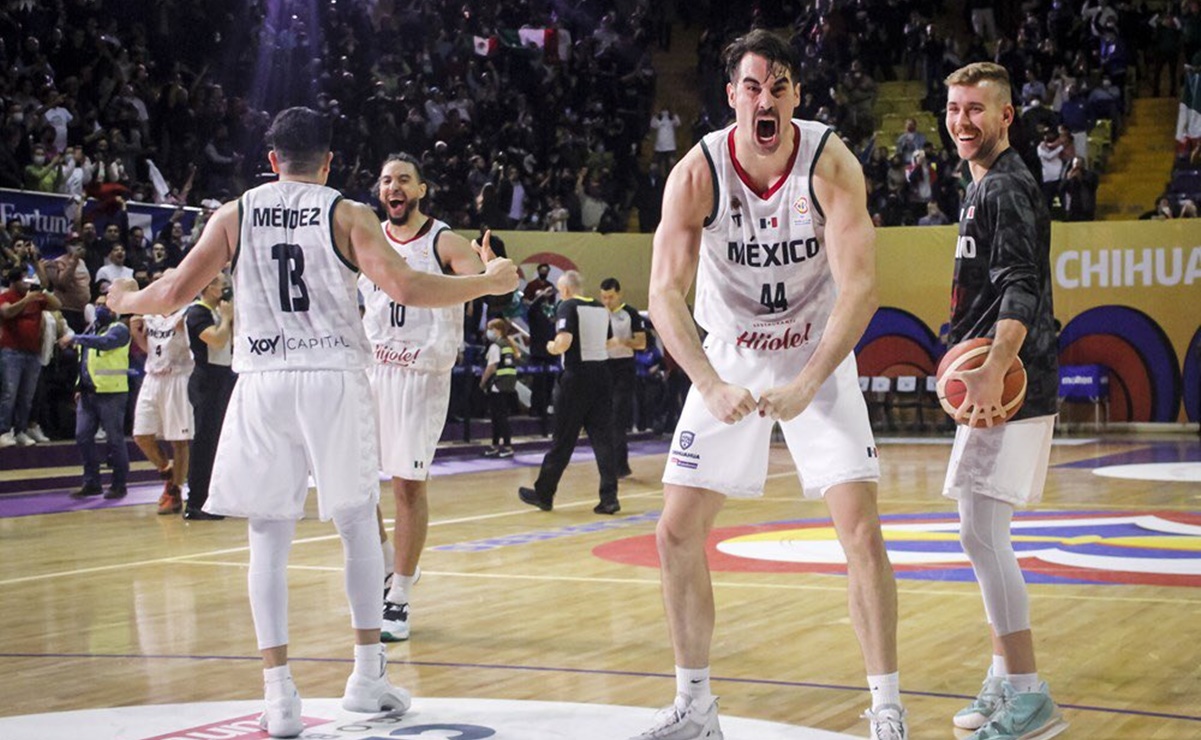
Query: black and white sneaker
x=396, y=622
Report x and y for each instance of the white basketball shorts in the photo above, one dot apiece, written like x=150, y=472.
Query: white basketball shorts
x=411, y=411
x=831, y=441
x=1007, y=462
x=283, y=424
x=163, y=408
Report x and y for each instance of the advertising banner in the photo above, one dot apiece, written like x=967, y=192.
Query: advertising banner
x=49, y=217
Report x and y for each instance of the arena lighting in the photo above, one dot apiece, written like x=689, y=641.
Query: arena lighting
x=290, y=39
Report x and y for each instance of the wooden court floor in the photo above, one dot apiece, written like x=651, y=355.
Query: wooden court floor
x=121, y=607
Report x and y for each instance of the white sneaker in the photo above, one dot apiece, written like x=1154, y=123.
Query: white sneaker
x=685, y=720
x=101, y=435
x=281, y=714
x=8, y=439
x=887, y=723
x=25, y=440
x=36, y=434
x=375, y=695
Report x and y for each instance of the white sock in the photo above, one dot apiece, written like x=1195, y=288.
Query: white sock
x=277, y=680
x=389, y=558
x=693, y=683
x=399, y=592
x=369, y=660
x=1024, y=683
x=886, y=689
x=998, y=666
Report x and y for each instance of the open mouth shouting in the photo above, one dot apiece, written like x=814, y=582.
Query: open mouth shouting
x=767, y=131
x=397, y=208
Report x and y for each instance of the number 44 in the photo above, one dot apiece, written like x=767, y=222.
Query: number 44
x=775, y=300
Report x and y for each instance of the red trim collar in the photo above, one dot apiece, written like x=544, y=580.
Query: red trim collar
x=425, y=229
x=746, y=180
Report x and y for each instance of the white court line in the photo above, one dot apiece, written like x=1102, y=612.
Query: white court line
x=654, y=582
x=463, y=520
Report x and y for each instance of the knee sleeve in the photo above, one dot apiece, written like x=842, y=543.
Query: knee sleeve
x=270, y=541
x=984, y=531
x=359, y=531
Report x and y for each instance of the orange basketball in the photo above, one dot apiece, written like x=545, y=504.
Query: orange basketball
x=969, y=355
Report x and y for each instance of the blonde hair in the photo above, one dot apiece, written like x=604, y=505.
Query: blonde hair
x=978, y=72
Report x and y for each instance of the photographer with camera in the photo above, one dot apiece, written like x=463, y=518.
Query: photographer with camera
x=21, y=316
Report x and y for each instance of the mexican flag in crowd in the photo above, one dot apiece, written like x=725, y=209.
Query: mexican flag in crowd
x=555, y=42
x=1188, y=121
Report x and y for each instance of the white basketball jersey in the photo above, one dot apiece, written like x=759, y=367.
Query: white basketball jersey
x=167, y=350
x=425, y=339
x=295, y=306
x=763, y=281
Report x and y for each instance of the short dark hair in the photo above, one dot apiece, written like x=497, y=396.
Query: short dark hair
x=13, y=275
x=301, y=138
x=610, y=283
x=777, y=52
x=404, y=157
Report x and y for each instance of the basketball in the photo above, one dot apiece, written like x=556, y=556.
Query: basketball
x=969, y=355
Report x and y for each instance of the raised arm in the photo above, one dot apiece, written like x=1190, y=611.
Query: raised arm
x=687, y=202
x=360, y=239
x=457, y=254
x=179, y=286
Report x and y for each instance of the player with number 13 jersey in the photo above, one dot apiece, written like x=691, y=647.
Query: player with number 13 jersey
x=296, y=304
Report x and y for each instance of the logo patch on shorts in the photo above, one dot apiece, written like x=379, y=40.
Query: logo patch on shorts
x=686, y=439
x=680, y=462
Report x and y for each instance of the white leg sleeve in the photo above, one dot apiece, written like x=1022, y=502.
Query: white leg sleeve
x=364, y=566
x=270, y=541
x=984, y=531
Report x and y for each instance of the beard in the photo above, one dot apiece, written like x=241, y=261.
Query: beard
x=402, y=217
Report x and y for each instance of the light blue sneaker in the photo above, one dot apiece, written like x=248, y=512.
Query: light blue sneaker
x=1031, y=716
x=980, y=711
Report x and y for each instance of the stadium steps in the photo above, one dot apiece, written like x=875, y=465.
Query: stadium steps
x=1141, y=163
x=896, y=101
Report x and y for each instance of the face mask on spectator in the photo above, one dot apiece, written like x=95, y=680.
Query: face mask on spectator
x=104, y=315
x=39, y=160
x=18, y=118
x=493, y=335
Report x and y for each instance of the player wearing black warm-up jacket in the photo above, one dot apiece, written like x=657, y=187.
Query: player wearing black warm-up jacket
x=1003, y=271
x=1001, y=290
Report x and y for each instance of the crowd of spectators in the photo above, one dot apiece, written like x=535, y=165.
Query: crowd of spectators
x=1070, y=62
x=167, y=102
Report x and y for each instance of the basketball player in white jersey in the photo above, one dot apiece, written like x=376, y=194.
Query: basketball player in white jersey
x=163, y=410
x=302, y=402
x=415, y=350
x=769, y=215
